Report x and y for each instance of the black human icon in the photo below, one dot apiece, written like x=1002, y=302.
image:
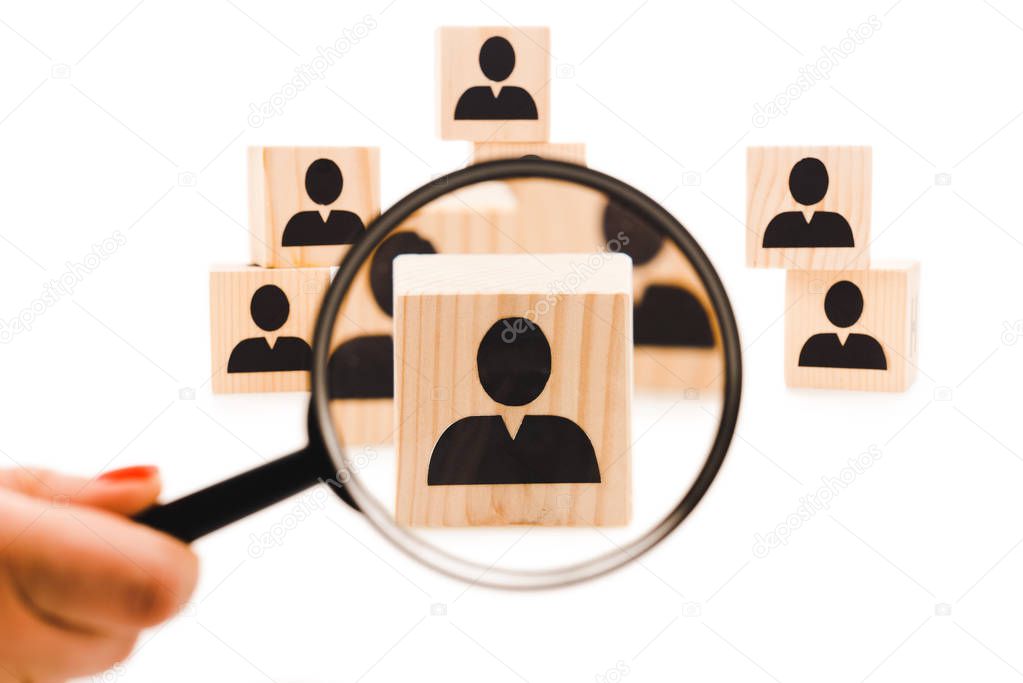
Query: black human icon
x=514, y=364
x=497, y=61
x=808, y=183
x=269, y=309
x=363, y=367
x=666, y=315
x=323, y=183
x=843, y=304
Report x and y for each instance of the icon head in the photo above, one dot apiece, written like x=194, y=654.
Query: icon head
x=323, y=181
x=808, y=181
x=843, y=304
x=269, y=307
x=497, y=58
x=381, y=268
x=635, y=237
x=514, y=361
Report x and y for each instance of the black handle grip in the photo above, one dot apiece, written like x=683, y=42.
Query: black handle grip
x=216, y=506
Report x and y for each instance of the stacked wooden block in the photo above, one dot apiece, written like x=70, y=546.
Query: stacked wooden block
x=677, y=342
x=849, y=323
x=307, y=206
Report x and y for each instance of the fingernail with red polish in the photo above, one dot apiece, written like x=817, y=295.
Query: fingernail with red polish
x=136, y=473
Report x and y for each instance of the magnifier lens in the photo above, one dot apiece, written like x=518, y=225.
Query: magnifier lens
x=525, y=375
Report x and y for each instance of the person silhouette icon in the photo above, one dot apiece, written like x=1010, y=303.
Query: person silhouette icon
x=843, y=304
x=665, y=315
x=363, y=367
x=323, y=183
x=514, y=364
x=808, y=183
x=269, y=309
x=479, y=103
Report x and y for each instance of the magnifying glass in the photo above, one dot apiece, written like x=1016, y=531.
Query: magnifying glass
x=510, y=502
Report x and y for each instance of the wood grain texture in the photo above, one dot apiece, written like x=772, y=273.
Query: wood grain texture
x=276, y=178
x=438, y=331
x=458, y=69
x=768, y=194
x=890, y=315
x=231, y=290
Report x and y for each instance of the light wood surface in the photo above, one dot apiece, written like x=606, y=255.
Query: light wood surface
x=890, y=315
x=231, y=290
x=768, y=194
x=277, y=192
x=458, y=69
x=443, y=307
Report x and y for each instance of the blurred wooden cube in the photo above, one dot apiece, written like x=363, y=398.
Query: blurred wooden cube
x=552, y=216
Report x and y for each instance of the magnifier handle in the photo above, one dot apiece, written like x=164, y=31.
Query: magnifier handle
x=216, y=506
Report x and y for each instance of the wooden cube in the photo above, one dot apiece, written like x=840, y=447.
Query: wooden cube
x=535, y=346
x=307, y=205
x=261, y=326
x=494, y=83
x=676, y=334
x=552, y=216
x=808, y=208
x=852, y=329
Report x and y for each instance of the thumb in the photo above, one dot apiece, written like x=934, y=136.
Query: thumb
x=124, y=491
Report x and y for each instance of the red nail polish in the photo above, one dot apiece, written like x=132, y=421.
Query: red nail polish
x=130, y=473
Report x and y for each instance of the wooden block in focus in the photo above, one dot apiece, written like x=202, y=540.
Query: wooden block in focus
x=553, y=216
x=852, y=329
x=307, y=205
x=494, y=83
x=539, y=346
x=261, y=325
x=808, y=208
x=676, y=334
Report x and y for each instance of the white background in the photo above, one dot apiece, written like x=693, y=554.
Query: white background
x=911, y=574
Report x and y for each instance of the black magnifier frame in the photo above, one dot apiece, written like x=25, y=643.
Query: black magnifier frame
x=325, y=458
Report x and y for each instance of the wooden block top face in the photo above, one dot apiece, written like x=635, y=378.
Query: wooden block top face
x=573, y=152
x=808, y=208
x=513, y=403
x=261, y=326
x=307, y=205
x=494, y=83
x=853, y=329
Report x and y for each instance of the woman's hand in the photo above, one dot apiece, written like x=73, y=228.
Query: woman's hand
x=78, y=580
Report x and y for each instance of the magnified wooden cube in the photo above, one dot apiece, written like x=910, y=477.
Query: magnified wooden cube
x=514, y=390
x=852, y=329
x=808, y=208
x=308, y=205
x=494, y=83
x=261, y=326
